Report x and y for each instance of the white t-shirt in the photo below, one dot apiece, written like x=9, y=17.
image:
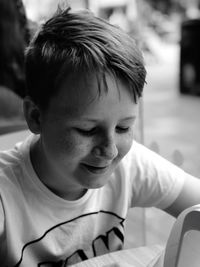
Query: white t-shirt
x=38, y=228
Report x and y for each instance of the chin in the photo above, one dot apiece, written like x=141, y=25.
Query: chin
x=97, y=183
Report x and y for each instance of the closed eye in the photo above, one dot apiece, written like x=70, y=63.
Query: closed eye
x=93, y=131
x=122, y=129
x=87, y=132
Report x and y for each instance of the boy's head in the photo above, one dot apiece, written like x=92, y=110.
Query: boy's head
x=79, y=42
x=83, y=77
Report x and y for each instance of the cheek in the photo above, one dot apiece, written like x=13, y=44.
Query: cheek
x=73, y=146
x=125, y=144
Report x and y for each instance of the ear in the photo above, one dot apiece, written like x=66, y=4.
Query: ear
x=32, y=115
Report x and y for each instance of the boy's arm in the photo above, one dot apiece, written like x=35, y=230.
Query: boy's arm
x=189, y=196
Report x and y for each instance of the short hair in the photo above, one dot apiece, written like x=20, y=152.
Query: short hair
x=73, y=41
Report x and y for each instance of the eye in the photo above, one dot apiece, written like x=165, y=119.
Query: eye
x=122, y=129
x=86, y=132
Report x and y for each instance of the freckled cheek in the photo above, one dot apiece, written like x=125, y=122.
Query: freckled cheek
x=74, y=147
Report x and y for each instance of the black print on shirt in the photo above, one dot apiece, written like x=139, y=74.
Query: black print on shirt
x=112, y=239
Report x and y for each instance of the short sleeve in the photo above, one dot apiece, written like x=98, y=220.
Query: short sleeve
x=155, y=182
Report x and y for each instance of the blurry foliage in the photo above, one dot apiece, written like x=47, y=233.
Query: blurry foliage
x=14, y=37
x=166, y=6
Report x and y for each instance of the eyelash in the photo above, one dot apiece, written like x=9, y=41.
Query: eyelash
x=92, y=131
x=87, y=132
x=122, y=130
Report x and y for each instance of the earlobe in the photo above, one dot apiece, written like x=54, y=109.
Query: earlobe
x=32, y=115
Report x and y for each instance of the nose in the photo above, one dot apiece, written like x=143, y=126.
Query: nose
x=106, y=149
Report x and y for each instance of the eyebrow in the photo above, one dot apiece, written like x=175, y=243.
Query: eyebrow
x=131, y=118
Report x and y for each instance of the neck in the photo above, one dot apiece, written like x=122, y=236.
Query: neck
x=48, y=176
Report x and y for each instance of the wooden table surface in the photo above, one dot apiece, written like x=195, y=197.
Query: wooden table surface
x=151, y=256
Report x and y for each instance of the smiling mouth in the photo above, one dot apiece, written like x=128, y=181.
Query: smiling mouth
x=94, y=169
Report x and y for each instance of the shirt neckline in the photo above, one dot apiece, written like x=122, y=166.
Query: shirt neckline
x=37, y=183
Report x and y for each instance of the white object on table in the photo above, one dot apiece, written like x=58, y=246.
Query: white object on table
x=135, y=257
x=183, y=244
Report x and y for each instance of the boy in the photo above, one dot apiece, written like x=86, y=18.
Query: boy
x=66, y=190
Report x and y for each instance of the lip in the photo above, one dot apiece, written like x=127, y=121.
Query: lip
x=95, y=169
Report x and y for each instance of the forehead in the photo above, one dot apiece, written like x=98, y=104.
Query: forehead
x=79, y=91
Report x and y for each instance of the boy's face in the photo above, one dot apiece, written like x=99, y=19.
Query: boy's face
x=84, y=135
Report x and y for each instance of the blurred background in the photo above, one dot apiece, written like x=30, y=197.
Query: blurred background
x=168, y=32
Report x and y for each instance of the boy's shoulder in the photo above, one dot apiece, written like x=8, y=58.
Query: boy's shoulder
x=137, y=151
x=12, y=160
x=9, y=166
x=141, y=152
